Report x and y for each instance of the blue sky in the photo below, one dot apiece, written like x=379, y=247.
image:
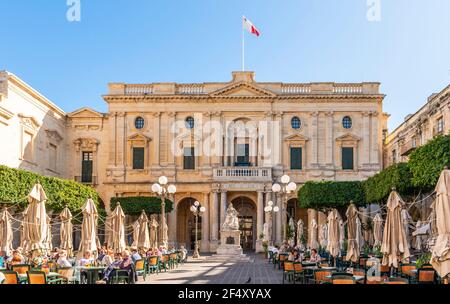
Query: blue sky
x=142, y=41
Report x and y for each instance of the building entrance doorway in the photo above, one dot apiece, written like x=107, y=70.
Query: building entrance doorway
x=247, y=222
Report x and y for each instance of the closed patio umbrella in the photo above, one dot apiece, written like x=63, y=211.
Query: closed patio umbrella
x=378, y=230
x=323, y=237
x=108, y=231
x=353, y=246
x=135, y=233
x=153, y=232
x=6, y=232
x=440, y=258
x=292, y=230
x=333, y=233
x=406, y=220
x=394, y=246
x=143, y=232
x=118, y=229
x=36, y=219
x=359, y=234
x=313, y=243
x=88, y=229
x=66, y=231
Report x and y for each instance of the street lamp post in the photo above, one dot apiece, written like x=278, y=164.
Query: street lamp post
x=269, y=209
x=164, y=191
x=197, y=210
x=284, y=189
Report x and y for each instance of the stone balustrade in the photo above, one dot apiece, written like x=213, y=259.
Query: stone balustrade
x=243, y=174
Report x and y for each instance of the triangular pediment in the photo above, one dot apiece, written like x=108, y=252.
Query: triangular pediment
x=348, y=137
x=243, y=89
x=296, y=137
x=85, y=113
x=139, y=136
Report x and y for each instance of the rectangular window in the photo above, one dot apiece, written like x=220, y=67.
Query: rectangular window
x=414, y=142
x=189, y=158
x=394, y=156
x=440, y=125
x=52, y=157
x=138, y=158
x=296, y=158
x=347, y=159
x=242, y=155
x=87, y=166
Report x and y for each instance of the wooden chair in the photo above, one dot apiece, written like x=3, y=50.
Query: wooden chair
x=281, y=259
x=343, y=280
x=426, y=276
x=153, y=264
x=141, y=268
x=69, y=275
x=385, y=270
x=289, y=271
x=173, y=260
x=299, y=272
x=21, y=269
x=11, y=277
x=164, y=262
x=406, y=271
x=320, y=276
x=37, y=278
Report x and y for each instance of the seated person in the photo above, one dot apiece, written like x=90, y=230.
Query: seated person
x=135, y=256
x=294, y=256
x=315, y=257
x=108, y=258
x=16, y=258
x=101, y=254
x=86, y=260
x=122, y=262
x=3, y=259
x=62, y=260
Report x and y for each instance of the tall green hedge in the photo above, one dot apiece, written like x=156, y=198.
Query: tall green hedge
x=427, y=162
x=135, y=205
x=378, y=187
x=15, y=185
x=325, y=195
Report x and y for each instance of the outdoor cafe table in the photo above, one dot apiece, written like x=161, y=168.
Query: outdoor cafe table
x=356, y=277
x=92, y=273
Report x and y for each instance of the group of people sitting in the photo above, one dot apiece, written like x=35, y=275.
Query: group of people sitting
x=111, y=261
x=297, y=253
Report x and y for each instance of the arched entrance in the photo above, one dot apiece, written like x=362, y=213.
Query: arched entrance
x=186, y=224
x=247, y=221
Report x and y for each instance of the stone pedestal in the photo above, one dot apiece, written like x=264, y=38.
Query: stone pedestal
x=230, y=243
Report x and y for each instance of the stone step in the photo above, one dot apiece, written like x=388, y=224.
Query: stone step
x=229, y=258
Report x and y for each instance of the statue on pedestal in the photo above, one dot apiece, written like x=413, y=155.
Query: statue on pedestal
x=230, y=236
x=231, y=220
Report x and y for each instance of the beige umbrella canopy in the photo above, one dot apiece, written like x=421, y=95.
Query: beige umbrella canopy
x=394, y=246
x=66, y=231
x=313, y=242
x=441, y=251
x=118, y=229
x=353, y=246
x=88, y=229
x=49, y=237
x=36, y=219
x=6, y=232
x=341, y=233
x=135, y=233
x=333, y=233
x=359, y=234
x=378, y=230
x=143, y=232
x=406, y=220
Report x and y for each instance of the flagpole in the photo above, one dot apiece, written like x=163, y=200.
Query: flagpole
x=243, y=45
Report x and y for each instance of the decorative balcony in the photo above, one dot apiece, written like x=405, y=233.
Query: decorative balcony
x=243, y=174
x=407, y=148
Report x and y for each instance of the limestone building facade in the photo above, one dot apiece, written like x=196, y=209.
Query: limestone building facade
x=431, y=120
x=217, y=142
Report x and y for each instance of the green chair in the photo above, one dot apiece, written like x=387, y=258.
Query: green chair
x=153, y=264
x=141, y=268
x=11, y=277
x=288, y=271
x=121, y=276
x=164, y=262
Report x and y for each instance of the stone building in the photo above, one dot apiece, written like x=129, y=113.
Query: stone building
x=217, y=142
x=431, y=120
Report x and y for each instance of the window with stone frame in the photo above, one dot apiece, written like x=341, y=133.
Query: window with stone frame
x=52, y=157
x=138, y=158
x=296, y=158
x=348, y=160
x=440, y=125
x=189, y=158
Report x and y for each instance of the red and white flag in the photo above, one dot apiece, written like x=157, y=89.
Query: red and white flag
x=248, y=25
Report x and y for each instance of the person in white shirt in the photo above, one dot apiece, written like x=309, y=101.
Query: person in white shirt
x=62, y=259
x=86, y=260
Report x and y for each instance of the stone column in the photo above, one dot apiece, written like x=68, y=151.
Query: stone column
x=260, y=221
x=156, y=140
x=112, y=141
x=223, y=207
x=314, y=139
x=204, y=246
x=121, y=134
x=375, y=151
x=269, y=217
x=214, y=213
x=278, y=221
x=171, y=142
x=172, y=225
x=329, y=151
x=366, y=140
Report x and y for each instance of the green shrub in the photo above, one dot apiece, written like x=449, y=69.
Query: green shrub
x=135, y=205
x=327, y=195
x=15, y=185
x=427, y=162
x=378, y=187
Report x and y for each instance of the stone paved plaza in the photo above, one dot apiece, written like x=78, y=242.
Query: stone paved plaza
x=207, y=271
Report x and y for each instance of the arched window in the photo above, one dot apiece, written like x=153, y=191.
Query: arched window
x=139, y=123
x=296, y=123
x=190, y=122
x=347, y=122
